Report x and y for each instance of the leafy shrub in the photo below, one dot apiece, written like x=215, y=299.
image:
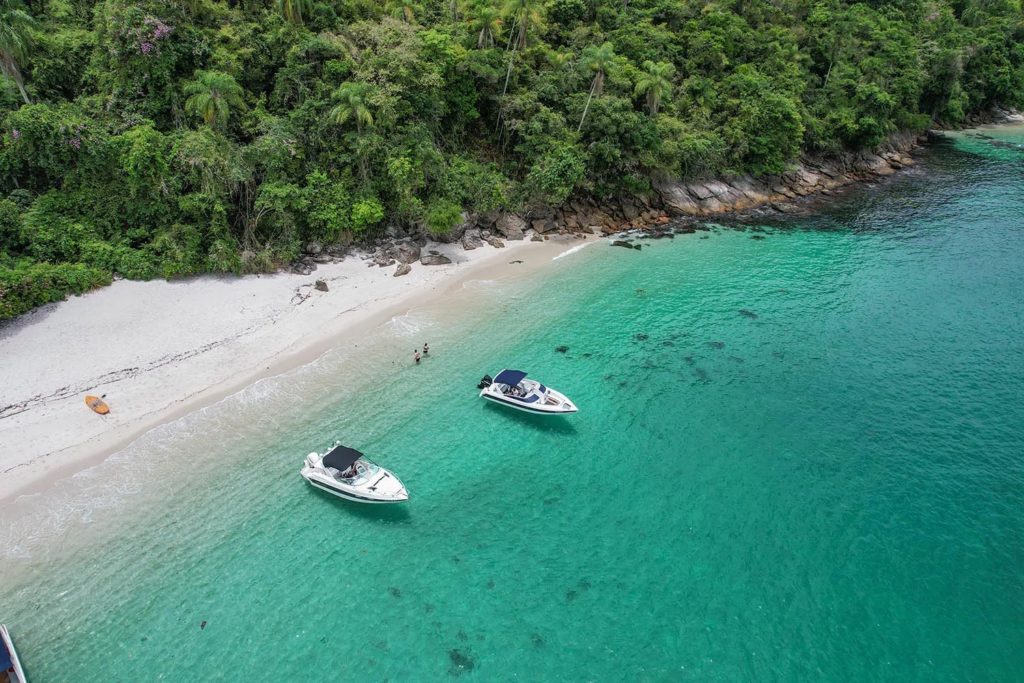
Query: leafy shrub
x=366, y=212
x=328, y=207
x=442, y=216
x=554, y=177
x=26, y=285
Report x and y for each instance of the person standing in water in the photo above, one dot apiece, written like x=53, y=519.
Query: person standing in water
x=416, y=357
x=426, y=349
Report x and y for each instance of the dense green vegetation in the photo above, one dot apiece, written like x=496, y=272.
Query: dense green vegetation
x=162, y=138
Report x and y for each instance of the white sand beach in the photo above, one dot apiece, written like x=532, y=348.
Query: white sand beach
x=159, y=350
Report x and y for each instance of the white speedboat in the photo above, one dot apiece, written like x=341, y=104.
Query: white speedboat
x=347, y=473
x=10, y=667
x=511, y=388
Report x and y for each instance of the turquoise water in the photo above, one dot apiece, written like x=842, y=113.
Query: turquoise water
x=799, y=456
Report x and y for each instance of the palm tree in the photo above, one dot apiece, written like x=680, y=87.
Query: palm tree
x=596, y=60
x=293, y=10
x=485, y=22
x=525, y=15
x=353, y=99
x=404, y=9
x=15, y=41
x=656, y=83
x=212, y=95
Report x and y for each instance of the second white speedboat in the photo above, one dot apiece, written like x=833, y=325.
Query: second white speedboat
x=348, y=474
x=511, y=388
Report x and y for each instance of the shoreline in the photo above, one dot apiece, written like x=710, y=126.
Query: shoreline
x=228, y=363
x=153, y=379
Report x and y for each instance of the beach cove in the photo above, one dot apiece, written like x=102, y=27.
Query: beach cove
x=797, y=456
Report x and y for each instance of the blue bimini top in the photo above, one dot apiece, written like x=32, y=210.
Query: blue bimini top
x=509, y=377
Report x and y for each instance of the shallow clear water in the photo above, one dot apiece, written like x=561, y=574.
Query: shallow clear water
x=798, y=457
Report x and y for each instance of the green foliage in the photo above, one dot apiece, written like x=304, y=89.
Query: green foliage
x=10, y=227
x=212, y=96
x=366, y=213
x=328, y=207
x=15, y=41
x=172, y=138
x=354, y=102
x=25, y=284
x=655, y=83
x=294, y=10
x=442, y=216
x=763, y=127
x=554, y=177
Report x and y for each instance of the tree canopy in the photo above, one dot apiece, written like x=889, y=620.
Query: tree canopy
x=161, y=138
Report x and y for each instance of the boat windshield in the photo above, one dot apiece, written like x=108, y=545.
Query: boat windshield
x=359, y=472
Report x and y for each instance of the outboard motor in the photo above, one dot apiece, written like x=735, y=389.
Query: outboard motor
x=485, y=382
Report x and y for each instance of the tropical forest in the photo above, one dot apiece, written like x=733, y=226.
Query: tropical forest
x=161, y=139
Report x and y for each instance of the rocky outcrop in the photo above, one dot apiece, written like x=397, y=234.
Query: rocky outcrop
x=403, y=244
x=811, y=175
x=405, y=252
x=402, y=269
x=511, y=226
x=471, y=239
x=466, y=222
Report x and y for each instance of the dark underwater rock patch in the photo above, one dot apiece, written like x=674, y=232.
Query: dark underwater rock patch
x=537, y=640
x=461, y=662
x=716, y=344
x=702, y=375
x=747, y=313
x=395, y=591
x=640, y=336
x=562, y=349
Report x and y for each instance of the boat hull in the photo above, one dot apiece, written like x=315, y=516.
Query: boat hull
x=351, y=495
x=528, y=408
x=8, y=644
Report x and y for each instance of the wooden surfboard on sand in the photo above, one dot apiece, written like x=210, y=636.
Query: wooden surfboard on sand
x=97, y=404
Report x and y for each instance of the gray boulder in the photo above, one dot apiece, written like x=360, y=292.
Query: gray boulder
x=402, y=269
x=435, y=260
x=466, y=222
x=511, y=226
x=405, y=252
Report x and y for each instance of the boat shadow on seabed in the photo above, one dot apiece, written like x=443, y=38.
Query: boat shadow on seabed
x=542, y=423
